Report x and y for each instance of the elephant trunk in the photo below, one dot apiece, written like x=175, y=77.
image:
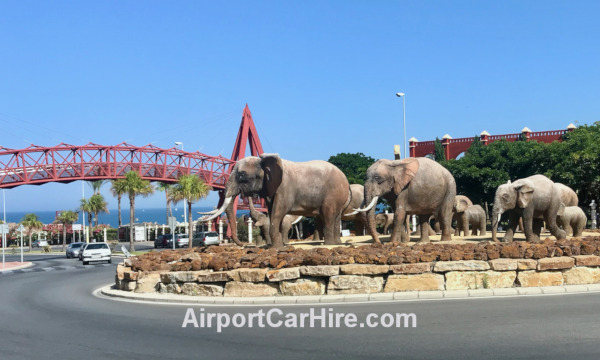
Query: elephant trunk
x=371, y=223
x=233, y=224
x=255, y=214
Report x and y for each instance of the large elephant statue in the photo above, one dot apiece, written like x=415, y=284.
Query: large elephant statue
x=413, y=186
x=262, y=221
x=534, y=198
x=385, y=220
x=312, y=188
x=573, y=220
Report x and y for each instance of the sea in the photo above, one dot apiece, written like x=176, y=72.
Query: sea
x=152, y=215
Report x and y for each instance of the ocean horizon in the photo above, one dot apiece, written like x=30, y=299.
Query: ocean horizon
x=153, y=215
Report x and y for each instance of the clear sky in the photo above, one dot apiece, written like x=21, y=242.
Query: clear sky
x=320, y=77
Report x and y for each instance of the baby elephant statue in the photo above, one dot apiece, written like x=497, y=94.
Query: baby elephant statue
x=573, y=220
x=466, y=215
x=535, y=198
x=384, y=220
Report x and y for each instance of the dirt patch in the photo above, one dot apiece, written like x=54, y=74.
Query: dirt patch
x=220, y=258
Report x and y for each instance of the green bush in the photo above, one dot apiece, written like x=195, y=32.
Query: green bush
x=242, y=230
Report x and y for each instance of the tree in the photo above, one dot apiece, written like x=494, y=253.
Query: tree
x=354, y=166
x=191, y=188
x=118, y=189
x=86, y=207
x=439, y=154
x=66, y=218
x=167, y=188
x=96, y=185
x=134, y=185
x=31, y=222
x=97, y=205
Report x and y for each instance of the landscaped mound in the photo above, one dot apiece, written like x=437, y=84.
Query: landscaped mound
x=222, y=258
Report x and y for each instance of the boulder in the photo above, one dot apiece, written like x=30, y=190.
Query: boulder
x=359, y=269
x=320, y=270
x=354, y=284
x=195, y=289
x=463, y=265
x=241, y=288
x=556, y=263
x=283, y=274
x=148, y=284
x=418, y=268
x=421, y=282
x=582, y=275
x=302, y=287
x=545, y=278
x=466, y=280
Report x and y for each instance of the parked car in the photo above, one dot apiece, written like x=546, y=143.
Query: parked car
x=99, y=251
x=80, y=255
x=181, y=240
x=73, y=249
x=205, y=238
x=39, y=243
x=162, y=240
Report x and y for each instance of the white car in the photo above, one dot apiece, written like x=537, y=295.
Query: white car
x=96, y=252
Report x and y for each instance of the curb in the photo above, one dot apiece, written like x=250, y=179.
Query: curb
x=24, y=266
x=109, y=292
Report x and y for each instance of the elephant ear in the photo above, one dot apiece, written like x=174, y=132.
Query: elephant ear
x=561, y=209
x=273, y=168
x=461, y=206
x=524, y=195
x=405, y=170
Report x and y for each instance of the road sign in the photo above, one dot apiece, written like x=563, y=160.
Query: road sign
x=3, y=228
x=21, y=228
x=76, y=227
x=172, y=221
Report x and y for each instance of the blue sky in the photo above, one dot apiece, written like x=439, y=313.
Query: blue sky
x=320, y=77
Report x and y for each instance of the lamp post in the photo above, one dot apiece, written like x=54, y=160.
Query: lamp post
x=402, y=95
x=178, y=143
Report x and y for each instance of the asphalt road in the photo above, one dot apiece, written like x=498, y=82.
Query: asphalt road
x=52, y=314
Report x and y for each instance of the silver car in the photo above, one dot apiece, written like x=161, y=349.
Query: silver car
x=73, y=249
x=206, y=238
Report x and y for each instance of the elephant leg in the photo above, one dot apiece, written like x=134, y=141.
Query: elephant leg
x=331, y=225
x=513, y=222
x=464, y=221
x=528, y=226
x=482, y=230
x=318, y=229
x=578, y=226
x=474, y=228
x=550, y=218
x=399, y=232
x=537, y=226
x=424, y=223
x=266, y=230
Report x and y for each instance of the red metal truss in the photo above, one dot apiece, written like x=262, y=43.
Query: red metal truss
x=66, y=163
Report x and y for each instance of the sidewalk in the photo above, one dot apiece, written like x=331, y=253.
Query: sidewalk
x=15, y=265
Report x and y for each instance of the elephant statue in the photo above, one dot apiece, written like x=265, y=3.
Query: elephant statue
x=473, y=215
x=312, y=188
x=413, y=186
x=359, y=219
x=573, y=220
x=263, y=222
x=534, y=198
x=567, y=195
x=384, y=220
x=463, y=202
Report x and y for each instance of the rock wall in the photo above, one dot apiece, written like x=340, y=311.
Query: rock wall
x=364, y=278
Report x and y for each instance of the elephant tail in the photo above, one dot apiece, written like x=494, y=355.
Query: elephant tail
x=347, y=201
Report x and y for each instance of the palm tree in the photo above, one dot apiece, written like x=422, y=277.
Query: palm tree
x=191, y=188
x=96, y=185
x=167, y=188
x=97, y=205
x=86, y=207
x=135, y=185
x=31, y=222
x=66, y=218
x=118, y=189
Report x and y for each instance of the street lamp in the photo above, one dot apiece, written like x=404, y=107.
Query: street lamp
x=178, y=143
x=403, y=120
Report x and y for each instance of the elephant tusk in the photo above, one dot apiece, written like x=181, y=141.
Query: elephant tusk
x=208, y=212
x=352, y=213
x=499, y=215
x=297, y=220
x=219, y=212
x=371, y=204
